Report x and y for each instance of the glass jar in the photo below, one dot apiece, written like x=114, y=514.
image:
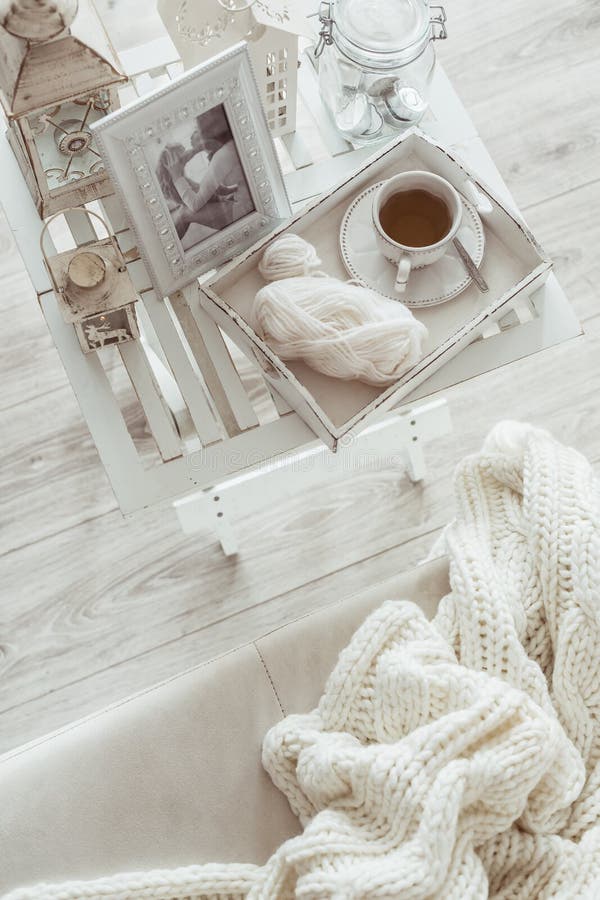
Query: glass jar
x=376, y=61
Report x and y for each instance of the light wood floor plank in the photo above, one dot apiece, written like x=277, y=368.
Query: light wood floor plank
x=528, y=73
x=128, y=591
x=568, y=226
x=82, y=696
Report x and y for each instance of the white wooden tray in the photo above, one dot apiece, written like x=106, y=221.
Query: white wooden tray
x=514, y=265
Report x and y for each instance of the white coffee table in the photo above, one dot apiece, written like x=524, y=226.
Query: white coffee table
x=214, y=459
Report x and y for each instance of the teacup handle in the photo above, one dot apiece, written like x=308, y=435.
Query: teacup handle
x=402, y=275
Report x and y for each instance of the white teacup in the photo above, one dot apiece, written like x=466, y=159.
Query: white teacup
x=405, y=256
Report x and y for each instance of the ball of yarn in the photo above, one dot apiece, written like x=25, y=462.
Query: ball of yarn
x=288, y=256
x=338, y=328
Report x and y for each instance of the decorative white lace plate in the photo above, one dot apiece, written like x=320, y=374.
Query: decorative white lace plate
x=428, y=286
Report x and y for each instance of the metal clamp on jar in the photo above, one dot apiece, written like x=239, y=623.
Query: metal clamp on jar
x=376, y=61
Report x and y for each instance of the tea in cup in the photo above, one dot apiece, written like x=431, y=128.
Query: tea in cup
x=416, y=216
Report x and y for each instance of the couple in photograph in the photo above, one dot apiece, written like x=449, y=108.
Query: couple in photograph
x=205, y=186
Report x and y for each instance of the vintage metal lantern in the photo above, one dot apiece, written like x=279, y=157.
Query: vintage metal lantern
x=93, y=289
x=376, y=61
x=58, y=74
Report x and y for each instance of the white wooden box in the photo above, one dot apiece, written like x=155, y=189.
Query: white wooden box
x=513, y=265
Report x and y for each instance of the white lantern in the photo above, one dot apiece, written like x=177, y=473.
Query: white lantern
x=202, y=28
x=58, y=75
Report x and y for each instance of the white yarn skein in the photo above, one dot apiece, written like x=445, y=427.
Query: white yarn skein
x=288, y=256
x=338, y=328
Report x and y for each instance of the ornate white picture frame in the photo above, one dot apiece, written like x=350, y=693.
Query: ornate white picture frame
x=166, y=152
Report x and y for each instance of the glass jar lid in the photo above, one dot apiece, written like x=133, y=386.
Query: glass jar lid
x=382, y=26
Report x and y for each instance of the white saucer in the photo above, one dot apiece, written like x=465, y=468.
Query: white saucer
x=428, y=286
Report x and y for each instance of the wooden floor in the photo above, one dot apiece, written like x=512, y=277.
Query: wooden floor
x=93, y=607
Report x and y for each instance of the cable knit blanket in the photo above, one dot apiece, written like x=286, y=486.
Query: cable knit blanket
x=457, y=758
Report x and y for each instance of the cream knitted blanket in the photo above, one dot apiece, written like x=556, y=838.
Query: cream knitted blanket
x=458, y=758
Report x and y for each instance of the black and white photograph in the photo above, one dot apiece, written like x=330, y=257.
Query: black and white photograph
x=200, y=174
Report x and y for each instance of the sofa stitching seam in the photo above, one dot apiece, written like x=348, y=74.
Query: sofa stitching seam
x=272, y=683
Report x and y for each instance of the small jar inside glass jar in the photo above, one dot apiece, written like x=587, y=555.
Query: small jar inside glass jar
x=376, y=62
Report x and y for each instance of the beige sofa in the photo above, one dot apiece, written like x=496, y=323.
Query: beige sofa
x=173, y=776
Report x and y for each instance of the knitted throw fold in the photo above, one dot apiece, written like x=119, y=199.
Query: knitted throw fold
x=457, y=758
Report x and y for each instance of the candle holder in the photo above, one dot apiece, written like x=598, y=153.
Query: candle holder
x=94, y=290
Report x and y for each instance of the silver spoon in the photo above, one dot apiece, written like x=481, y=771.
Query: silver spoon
x=470, y=266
